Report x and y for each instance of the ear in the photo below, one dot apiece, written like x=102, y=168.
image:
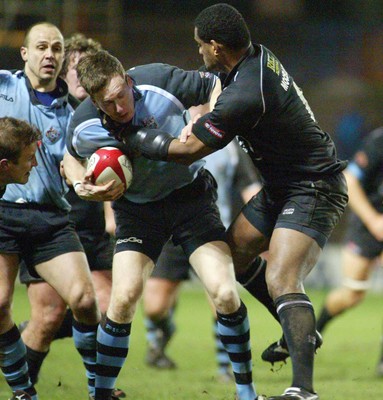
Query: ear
x=217, y=48
x=4, y=163
x=129, y=80
x=24, y=53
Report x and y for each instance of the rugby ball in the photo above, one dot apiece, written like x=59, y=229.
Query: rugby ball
x=108, y=163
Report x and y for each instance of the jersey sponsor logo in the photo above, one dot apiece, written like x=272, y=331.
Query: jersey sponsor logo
x=6, y=98
x=52, y=134
x=150, y=122
x=288, y=211
x=213, y=130
x=131, y=239
x=273, y=63
x=285, y=82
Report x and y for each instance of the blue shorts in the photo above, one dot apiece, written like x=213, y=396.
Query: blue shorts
x=310, y=207
x=189, y=216
x=37, y=233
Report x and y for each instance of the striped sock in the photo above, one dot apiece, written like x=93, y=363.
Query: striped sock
x=234, y=330
x=112, y=350
x=84, y=337
x=13, y=362
x=223, y=360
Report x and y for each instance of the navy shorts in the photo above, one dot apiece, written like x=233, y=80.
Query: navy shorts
x=189, y=216
x=359, y=240
x=98, y=250
x=311, y=207
x=37, y=233
x=172, y=264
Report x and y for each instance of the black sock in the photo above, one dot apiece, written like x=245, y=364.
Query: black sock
x=297, y=318
x=35, y=360
x=323, y=319
x=254, y=281
x=65, y=329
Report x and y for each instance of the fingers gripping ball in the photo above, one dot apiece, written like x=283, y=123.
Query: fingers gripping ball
x=110, y=163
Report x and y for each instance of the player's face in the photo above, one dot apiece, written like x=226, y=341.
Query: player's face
x=116, y=100
x=207, y=52
x=18, y=172
x=43, y=57
x=74, y=86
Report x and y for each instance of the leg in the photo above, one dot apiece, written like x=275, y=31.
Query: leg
x=159, y=301
x=131, y=269
x=12, y=349
x=47, y=313
x=292, y=255
x=69, y=275
x=233, y=324
x=356, y=271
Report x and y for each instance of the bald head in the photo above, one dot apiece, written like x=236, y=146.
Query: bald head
x=43, y=54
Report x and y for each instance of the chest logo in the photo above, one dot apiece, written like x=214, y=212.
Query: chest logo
x=52, y=135
x=150, y=122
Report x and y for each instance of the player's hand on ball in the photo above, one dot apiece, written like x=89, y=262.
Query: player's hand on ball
x=107, y=192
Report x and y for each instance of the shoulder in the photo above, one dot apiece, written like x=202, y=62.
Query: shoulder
x=85, y=111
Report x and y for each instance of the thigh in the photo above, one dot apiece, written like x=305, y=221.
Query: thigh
x=160, y=296
x=68, y=274
x=245, y=242
x=356, y=266
x=213, y=264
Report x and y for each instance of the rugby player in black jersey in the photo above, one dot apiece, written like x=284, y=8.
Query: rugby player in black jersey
x=304, y=190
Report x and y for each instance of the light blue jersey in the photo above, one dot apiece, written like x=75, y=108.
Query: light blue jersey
x=18, y=100
x=162, y=94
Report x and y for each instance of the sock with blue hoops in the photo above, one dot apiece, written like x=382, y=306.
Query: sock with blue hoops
x=112, y=350
x=234, y=331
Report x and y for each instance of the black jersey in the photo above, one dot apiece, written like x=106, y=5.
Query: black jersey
x=369, y=160
x=262, y=106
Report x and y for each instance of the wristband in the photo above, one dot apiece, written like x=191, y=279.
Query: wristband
x=75, y=184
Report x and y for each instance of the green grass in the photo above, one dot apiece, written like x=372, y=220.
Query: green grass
x=344, y=368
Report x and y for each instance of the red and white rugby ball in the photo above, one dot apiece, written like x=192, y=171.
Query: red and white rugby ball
x=110, y=163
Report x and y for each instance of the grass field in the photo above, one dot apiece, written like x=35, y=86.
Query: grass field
x=344, y=369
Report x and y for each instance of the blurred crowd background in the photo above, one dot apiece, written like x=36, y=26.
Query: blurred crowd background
x=332, y=48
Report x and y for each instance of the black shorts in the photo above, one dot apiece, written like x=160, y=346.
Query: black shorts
x=172, y=264
x=188, y=215
x=311, y=207
x=98, y=250
x=37, y=233
x=359, y=240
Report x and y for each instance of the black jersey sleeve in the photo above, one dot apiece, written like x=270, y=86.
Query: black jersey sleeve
x=191, y=88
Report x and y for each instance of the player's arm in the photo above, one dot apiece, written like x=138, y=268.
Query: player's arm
x=361, y=205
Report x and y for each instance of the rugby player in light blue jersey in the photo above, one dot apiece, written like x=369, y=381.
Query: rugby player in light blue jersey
x=34, y=217
x=164, y=200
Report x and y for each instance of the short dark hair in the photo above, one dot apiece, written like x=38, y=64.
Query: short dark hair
x=77, y=43
x=224, y=24
x=15, y=135
x=95, y=71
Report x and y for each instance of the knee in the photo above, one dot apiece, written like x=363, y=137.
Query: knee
x=83, y=303
x=47, y=320
x=226, y=299
x=5, y=307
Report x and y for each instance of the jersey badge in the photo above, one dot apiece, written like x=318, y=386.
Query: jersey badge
x=52, y=135
x=214, y=130
x=150, y=122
